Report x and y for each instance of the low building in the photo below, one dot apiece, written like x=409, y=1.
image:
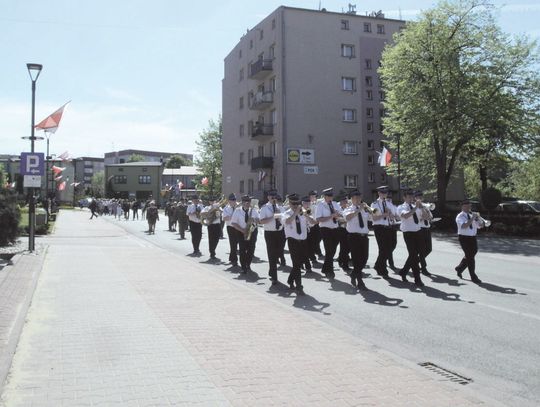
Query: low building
x=137, y=180
x=86, y=168
x=179, y=182
x=121, y=157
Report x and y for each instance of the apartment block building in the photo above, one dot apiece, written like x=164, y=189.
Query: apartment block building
x=86, y=168
x=302, y=103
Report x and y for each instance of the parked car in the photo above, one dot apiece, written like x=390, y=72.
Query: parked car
x=519, y=207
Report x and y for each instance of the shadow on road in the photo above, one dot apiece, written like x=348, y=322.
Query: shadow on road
x=250, y=277
x=347, y=288
x=437, y=278
x=499, y=289
x=309, y=303
x=435, y=293
x=488, y=243
x=374, y=297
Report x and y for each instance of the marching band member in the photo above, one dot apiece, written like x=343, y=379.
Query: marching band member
x=212, y=213
x=244, y=220
x=231, y=232
x=311, y=222
x=410, y=226
x=326, y=213
x=195, y=226
x=394, y=227
x=382, y=228
x=314, y=233
x=296, y=233
x=270, y=218
x=425, y=229
x=357, y=217
x=282, y=260
x=467, y=226
x=343, y=257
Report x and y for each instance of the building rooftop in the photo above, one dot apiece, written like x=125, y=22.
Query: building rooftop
x=136, y=164
x=142, y=152
x=185, y=170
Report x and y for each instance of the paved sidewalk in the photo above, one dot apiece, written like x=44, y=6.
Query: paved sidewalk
x=118, y=321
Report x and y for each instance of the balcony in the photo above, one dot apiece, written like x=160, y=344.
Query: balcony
x=260, y=130
x=259, y=163
x=262, y=100
x=260, y=69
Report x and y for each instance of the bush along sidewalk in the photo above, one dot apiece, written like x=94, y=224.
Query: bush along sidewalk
x=9, y=217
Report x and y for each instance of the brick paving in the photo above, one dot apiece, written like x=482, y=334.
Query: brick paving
x=116, y=321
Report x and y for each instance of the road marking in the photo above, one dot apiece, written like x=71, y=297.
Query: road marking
x=510, y=311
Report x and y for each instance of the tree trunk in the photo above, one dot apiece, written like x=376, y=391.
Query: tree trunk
x=482, y=170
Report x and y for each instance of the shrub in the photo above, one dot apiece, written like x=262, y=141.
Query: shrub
x=9, y=217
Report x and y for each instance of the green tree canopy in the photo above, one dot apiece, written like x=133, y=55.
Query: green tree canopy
x=209, y=157
x=177, y=161
x=135, y=158
x=458, y=90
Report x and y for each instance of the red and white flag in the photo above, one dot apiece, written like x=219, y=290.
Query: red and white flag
x=50, y=123
x=62, y=186
x=385, y=157
x=262, y=176
x=58, y=178
x=57, y=170
x=75, y=184
x=64, y=156
x=204, y=181
x=180, y=185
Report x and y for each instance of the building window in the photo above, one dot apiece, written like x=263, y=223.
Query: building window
x=380, y=28
x=241, y=187
x=349, y=115
x=250, y=44
x=241, y=75
x=348, y=84
x=382, y=95
x=371, y=159
x=260, y=151
x=120, y=179
x=239, y=53
x=241, y=130
x=382, y=112
x=368, y=63
x=261, y=34
x=344, y=24
x=367, y=27
x=273, y=23
x=272, y=51
x=350, y=147
x=241, y=102
x=369, y=112
x=250, y=155
x=273, y=84
x=370, y=145
x=369, y=81
x=145, y=179
x=347, y=50
x=381, y=144
x=250, y=186
x=241, y=158
x=273, y=149
x=369, y=127
x=351, y=181
x=381, y=127
x=371, y=177
x=369, y=94
x=383, y=177
x=273, y=117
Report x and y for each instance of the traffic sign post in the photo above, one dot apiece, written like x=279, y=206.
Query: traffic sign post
x=32, y=168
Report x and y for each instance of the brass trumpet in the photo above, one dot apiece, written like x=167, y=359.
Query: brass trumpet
x=477, y=217
x=369, y=209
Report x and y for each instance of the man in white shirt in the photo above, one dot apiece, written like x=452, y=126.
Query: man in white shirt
x=343, y=256
x=467, y=226
x=357, y=218
x=231, y=232
x=425, y=230
x=195, y=226
x=244, y=220
x=314, y=232
x=326, y=213
x=296, y=233
x=270, y=218
x=410, y=226
x=212, y=213
x=382, y=221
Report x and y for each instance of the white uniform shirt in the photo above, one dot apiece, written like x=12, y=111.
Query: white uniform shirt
x=267, y=211
x=191, y=212
x=322, y=210
x=423, y=222
x=353, y=225
x=408, y=224
x=228, y=211
x=463, y=217
x=217, y=219
x=290, y=228
x=239, y=216
x=380, y=205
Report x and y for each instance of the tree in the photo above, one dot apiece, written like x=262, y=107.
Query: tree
x=524, y=179
x=456, y=85
x=177, y=161
x=97, y=184
x=209, y=157
x=135, y=158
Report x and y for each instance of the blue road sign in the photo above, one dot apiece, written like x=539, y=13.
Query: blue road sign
x=32, y=164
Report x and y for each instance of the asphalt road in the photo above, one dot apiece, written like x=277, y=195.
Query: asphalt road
x=488, y=333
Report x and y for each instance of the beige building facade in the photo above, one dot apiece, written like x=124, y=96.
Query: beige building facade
x=302, y=104
x=137, y=180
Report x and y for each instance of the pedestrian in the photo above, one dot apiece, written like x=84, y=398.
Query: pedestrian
x=152, y=215
x=468, y=224
x=231, y=231
x=181, y=215
x=195, y=226
x=135, y=209
x=314, y=234
x=93, y=206
x=296, y=233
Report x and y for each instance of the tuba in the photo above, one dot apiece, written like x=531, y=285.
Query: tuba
x=251, y=224
x=212, y=214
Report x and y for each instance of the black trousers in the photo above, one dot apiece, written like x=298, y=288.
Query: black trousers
x=330, y=240
x=414, y=242
x=274, y=250
x=470, y=248
x=214, y=233
x=359, y=245
x=182, y=227
x=247, y=249
x=233, y=244
x=196, y=234
x=283, y=241
x=343, y=257
x=314, y=241
x=298, y=252
x=383, y=235
x=393, y=244
x=427, y=247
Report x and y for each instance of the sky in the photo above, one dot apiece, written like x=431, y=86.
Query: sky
x=144, y=74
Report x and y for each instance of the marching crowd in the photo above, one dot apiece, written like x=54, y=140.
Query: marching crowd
x=302, y=223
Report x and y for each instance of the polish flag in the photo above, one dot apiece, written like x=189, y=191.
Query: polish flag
x=262, y=176
x=57, y=170
x=204, y=181
x=64, y=156
x=385, y=157
x=50, y=123
x=62, y=186
x=180, y=185
x=58, y=178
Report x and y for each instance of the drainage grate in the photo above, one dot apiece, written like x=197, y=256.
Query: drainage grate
x=449, y=375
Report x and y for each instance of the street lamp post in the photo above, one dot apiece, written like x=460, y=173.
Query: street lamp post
x=33, y=70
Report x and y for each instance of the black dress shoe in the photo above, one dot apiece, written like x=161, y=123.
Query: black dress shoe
x=300, y=291
x=476, y=280
x=274, y=282
x=403, y=277
x=353, y=281
x=418, y=282
x=361, y=285
x=426, y=273
x=291, y=286
x=459, y=273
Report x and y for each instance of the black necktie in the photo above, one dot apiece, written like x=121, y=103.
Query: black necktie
x=360, y=219
x=468, y=219
x=331, y=206
x=414, y=214
x=278, y=223
x=246, y=215
x=298, y=227
x=384, y=208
